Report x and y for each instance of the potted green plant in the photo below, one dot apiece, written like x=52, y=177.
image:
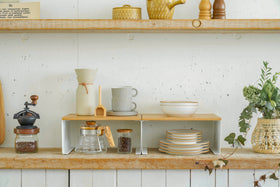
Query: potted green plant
x=265, y=99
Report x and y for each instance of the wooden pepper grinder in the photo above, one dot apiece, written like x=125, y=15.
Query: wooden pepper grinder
x=219, y=10
x=205, y=9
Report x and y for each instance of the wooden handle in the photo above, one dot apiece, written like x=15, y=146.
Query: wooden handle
x=171, y=5
x=219, y=9
x=99, y=95
x=205, y=9
x=109, y=136
x=2, y=116
x=34, y=99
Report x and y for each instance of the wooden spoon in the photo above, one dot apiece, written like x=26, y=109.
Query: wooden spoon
x=100, y=109
x=2, y=116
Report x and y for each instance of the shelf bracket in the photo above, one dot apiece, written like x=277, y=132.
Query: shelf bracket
x=141, y=150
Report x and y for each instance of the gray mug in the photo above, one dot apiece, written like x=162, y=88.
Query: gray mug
x=122, y=99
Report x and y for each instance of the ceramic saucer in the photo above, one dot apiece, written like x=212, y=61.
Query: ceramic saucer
x=130, y=113
x=183, y=132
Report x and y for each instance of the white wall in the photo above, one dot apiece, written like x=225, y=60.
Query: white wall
x=210, y=68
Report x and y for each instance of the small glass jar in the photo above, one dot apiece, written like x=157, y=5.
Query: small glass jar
x=26, y=140
x=124, y=141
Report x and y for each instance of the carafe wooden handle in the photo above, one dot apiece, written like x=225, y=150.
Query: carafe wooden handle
x=109, y=136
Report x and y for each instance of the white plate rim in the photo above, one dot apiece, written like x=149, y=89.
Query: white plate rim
x=174, y=150
x=198, y=143
x=184, y=149
x=190, y=153
x=184, y=133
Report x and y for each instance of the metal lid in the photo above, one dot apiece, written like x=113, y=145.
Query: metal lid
x=124, y=130
x=126, y=7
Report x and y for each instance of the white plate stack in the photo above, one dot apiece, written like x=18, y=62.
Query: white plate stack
x=183, y=142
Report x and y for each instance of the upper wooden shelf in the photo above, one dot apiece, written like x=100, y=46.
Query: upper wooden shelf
x=106, y=118
x=52, y=158
x=194, y=117
x=145, y=117
x=139, y=26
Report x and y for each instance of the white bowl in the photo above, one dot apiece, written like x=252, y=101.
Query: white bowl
x=178, y=103
x=178, y=110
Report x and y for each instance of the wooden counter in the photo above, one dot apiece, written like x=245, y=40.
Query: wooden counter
x=53, y=159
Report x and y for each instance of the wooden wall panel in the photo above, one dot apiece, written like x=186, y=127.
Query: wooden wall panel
x=104, y=178
x=221, y=178
x=153, y=178
x=56, y=178
x=10, y=177
x=33, y=178
x=241, y=177
x=178, y=178
x=129, y=178
x=80, y=178
x=201, y=178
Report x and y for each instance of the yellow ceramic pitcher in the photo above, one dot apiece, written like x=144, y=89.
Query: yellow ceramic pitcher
x=162, y=9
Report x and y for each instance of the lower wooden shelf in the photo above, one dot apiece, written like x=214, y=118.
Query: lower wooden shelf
x=52, y=158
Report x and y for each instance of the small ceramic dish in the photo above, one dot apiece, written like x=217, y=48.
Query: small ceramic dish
x=178, y=103
x=178, y=109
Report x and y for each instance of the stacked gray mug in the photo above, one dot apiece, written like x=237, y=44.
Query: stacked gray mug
x=122, y=99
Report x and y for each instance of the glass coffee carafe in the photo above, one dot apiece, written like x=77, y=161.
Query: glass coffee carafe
x=92, y=138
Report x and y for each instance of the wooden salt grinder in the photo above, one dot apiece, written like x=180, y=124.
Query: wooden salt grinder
x=205, y=9
x=219, y=10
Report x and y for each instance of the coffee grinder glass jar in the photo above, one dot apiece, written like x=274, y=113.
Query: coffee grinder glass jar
x=26, y=134
x=124, y=141
x=26, y=140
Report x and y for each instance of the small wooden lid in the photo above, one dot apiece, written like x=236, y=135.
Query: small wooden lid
x=90, y=122
x=26, y=131
x=88, y=128
x=124, y=130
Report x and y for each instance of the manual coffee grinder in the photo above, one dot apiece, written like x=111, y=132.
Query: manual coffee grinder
x=26, y=134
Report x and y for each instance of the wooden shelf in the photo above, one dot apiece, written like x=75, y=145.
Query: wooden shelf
x=145, y=117
x=53, y=159
x=139, y=26
x=194, y=117
x=75, y=117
